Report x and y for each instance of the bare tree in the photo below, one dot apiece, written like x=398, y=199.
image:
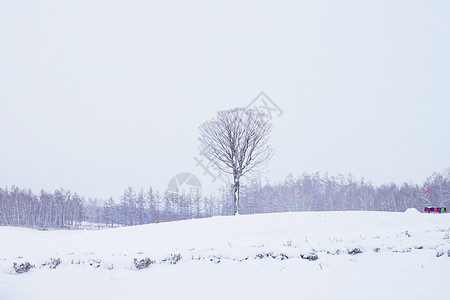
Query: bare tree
x=236, y=141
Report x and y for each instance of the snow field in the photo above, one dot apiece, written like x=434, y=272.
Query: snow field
x=404, y=256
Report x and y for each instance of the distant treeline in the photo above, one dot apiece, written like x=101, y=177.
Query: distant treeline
x=319, y=193
x=63, y=209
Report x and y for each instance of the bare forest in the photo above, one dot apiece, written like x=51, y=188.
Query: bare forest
x=66, y=209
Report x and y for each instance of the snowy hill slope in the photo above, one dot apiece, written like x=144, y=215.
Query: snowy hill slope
x=373, y=255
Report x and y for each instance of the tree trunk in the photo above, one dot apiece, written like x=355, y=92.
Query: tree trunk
x=236, y=196
x=6, y=221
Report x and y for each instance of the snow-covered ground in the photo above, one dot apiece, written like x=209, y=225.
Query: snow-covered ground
x=404, y=256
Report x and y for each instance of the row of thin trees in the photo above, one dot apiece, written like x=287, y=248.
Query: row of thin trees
x=20, y=207
x=319, y=193
x=143, y=207
x=63, y=209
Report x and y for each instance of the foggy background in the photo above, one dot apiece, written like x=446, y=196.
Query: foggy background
x=96, y=96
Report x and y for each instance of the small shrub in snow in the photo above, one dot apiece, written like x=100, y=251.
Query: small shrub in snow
x=264, y=255
x=173, y=259
x=310, y=257
x=142, y=263
x=215, y=258
x=407, y=233
x=53, y=263
x=282, y=256
x=95, y=263
x=355, y=251
x=22, y=268
x=198, y=257
x=442, y=252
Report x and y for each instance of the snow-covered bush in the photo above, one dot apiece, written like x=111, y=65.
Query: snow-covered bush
x=279, y=256
x=173, y=259
x=22, y=268
x=143, y=263
x=53, y=263
x=355, y=251
x=441, y=252
x=310, y=257
x=282, y=256
x=96, y=263
x=261, y=255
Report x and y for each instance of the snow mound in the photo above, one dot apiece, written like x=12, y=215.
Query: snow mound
x=412, y=211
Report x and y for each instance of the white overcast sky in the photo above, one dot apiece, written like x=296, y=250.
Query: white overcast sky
x=96, y=96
